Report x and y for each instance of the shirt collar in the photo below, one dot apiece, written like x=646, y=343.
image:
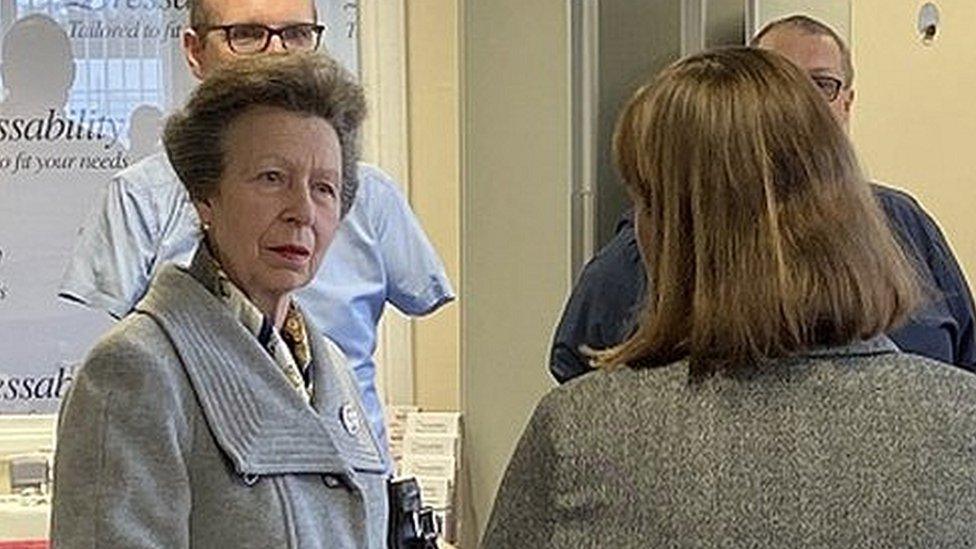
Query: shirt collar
x=877, y=345
x=289, y=347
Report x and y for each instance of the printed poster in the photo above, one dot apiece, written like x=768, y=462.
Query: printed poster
x=86, y=86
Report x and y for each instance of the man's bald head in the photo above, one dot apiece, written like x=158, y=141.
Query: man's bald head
x=201, y=13
x=809, y=25
x=820, y=51
x=199, y=16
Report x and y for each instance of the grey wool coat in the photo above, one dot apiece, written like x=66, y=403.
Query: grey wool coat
x=180, y=431
x=855, y=447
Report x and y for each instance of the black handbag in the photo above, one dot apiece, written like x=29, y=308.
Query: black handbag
x=412, y=526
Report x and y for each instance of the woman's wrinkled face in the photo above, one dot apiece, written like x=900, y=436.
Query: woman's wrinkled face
x=278, y=202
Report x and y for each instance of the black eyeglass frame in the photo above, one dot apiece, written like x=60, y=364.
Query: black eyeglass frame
x=317, y=28
x=836, y=86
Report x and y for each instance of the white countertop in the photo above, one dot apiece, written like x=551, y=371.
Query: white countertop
x=24, y=517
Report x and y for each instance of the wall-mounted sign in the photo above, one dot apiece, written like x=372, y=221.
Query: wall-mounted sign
x=86, y=87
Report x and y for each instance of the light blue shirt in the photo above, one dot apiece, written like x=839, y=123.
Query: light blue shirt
x=379, y=254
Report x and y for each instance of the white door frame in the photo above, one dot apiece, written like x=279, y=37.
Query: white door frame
x=383, y=69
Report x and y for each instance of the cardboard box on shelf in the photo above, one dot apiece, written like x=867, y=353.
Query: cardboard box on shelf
x=438, y=492
x=434, y=423
x=18, y=472
x=428, y=466
x=431, y=445
x=397, y=414
x=426, y=445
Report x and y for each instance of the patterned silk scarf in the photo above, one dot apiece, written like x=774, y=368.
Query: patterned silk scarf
x=289, y=349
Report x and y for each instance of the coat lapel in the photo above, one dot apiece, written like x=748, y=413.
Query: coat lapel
x=334, y=400
x=256, y=417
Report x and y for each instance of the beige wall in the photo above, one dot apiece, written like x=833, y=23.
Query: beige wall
x=488, y=104
x=915, y=110
x=516, y=205
x=433, y=106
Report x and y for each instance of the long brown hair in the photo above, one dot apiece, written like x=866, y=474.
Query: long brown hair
x=760, y=235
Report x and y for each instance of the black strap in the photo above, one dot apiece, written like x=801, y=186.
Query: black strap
x=412, y=526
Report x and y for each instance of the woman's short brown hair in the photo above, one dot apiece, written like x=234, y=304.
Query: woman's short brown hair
x=304, y=83
x=760, y=235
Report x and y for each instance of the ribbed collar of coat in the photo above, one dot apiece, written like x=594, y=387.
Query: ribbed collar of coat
x=255, y=415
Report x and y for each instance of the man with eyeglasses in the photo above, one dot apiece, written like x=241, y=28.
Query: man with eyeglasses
x=601, y=309
x=819, y=50
x=223, y=29
x=380, y=253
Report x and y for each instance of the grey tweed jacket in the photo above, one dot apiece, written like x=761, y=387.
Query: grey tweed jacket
x=180, y=431
x=855, y=447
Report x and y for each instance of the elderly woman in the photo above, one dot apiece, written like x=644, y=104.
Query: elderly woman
x=215, y=415
x=757, y=404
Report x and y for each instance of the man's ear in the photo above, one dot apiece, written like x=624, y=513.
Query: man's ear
x=204, y=211
x=193, y=51
x=849, y=100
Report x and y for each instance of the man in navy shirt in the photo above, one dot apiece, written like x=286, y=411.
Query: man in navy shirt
x=601, y=310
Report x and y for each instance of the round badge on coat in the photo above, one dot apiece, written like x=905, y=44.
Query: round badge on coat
x=349, y=416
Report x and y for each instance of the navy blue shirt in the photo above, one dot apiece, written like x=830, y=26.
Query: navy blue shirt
x=600, y=312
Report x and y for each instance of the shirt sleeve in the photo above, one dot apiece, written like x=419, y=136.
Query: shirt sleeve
x=600, y=311
x=920, y=235
x=120, y=471
x=416, y=283
x=524, y=511
x=112, y=261
x=952, y=284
